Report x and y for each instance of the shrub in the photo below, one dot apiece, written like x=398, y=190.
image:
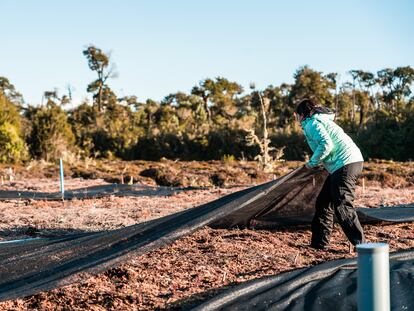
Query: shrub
x=384, y=139
x=51, y=134
x=112, y=132
x=9, y=112
x=294, y=143
x=12, y=147
x=228, y=158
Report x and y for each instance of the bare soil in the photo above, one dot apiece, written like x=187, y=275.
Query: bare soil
x=191, y=269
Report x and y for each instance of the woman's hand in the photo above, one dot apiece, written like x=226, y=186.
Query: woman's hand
x=306, y=166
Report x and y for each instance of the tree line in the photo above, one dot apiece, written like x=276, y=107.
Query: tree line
x=216, y=119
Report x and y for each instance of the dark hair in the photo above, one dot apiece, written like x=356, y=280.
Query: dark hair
x=306, y=107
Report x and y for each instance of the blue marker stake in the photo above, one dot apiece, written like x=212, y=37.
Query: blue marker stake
x=62, y=179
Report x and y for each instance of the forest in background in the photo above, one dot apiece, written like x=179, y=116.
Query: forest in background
x=218, y=119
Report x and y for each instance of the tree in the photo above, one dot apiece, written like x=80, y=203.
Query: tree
x=8, y=90
x=99, y=62
x=264, y=158
x=362, y=99
x=190, y=112
x=51, y=135
x=150, y=109
x=205, y=90
x=396, y=86
x=12, y=146
x=280, y=112
x=8, y=112
x=224, y=97
x=219, y=94
x=83, y=122
x=53, y=96
x=345, y=105
x=167, y=120
x=313, y=84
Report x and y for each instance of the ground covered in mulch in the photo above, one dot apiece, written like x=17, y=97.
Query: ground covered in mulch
x=179, y=173
x=191, y=269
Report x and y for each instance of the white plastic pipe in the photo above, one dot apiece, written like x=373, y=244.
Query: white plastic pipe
x=62, y=179
x=373, y=277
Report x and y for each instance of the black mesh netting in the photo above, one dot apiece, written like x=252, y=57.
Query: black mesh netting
x=329, y=286
x=34, y=265
x=94, y=192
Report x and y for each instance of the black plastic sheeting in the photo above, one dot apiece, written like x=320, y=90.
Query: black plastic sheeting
x=33, y=265
x=328, y=286
x=95, y=192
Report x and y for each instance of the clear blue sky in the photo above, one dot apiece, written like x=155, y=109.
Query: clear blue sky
x=161, y=47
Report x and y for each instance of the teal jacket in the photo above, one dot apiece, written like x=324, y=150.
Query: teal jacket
x=331, y=146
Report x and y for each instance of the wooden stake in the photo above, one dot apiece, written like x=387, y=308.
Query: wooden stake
x=224, y=277
x=296, y=260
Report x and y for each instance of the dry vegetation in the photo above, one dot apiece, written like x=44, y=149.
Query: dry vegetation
x=197, y=266
x=208, y=174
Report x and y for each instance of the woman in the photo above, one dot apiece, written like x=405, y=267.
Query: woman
x=336, y=151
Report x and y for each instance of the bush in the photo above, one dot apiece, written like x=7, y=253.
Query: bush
x=112, y=132
x=387, y=138
x=214, y=146
x=12, y=147
x=408, y=134
x=294, y=142
x=168, y=146
x=51, y=134
x=229, y=141
x=9, y=112
x=228, y=158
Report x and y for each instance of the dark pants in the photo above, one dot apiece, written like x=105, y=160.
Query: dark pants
x=336, y=197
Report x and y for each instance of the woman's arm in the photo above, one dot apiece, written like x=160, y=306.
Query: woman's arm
x=324, y=143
